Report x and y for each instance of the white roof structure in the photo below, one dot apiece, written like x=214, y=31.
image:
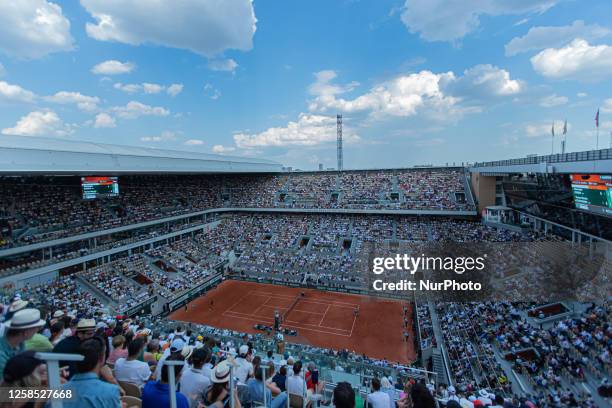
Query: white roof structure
x=36, y=155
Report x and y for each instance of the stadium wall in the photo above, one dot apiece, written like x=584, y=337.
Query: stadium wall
x=484, y=190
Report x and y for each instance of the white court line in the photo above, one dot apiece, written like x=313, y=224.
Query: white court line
x=313, y=325
x=288, y=322
x=273, y=294
x=239, y=300
x=320, y=301
x=295, y=326
x=260, y=306
x=307, y=311
x=248, y=315
x=253, y=317
x=354, y=320
x=324, y=314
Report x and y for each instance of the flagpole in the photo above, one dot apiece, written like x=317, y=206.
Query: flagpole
x=552, y=139
x=564, y=137
x=597, y=126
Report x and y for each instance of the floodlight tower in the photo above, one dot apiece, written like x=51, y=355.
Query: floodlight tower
x=339, y=141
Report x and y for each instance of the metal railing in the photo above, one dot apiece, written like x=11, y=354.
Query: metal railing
x=589, y=155
x=53, y=371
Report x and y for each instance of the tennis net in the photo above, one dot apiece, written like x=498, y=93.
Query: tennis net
x=291, y=306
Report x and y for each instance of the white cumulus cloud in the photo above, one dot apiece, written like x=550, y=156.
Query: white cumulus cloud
x=83, y=102
x=174, y=89
x=484, y=81
x=206, y=27
x=544, y=128
x=194, y=142
x=407, y=94
x=228, y=65
x=15, y=93
x=33, y=28
x=308, y=130
x=39, y=123
x=538, y=38
x=220, y=149
x=400, y=96
x=104, y=120
x=149, y=88
x=135, y=109
x=577, y=60
x=127, y=88
x=213, y=92
x=451, y=20
x=165, y=136
x=553, y=100
x=607, y=106
x=113, y=67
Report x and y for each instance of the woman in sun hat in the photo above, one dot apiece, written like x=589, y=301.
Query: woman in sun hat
x=219, y=393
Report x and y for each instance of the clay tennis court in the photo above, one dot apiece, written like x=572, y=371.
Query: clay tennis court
x=324, y=319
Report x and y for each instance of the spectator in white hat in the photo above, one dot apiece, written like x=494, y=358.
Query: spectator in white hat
x=452, y=394
x=244, y=368
x=219, y=393
x=483, y=396
x=85, y=330
x=175, y=349
x=23, y=325
x=14, y=307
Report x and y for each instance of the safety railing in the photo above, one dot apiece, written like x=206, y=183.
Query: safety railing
x=589, y=155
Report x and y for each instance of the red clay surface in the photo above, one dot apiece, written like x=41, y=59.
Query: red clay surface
x=323, y=319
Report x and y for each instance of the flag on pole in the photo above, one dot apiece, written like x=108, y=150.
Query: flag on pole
x=564, y=137
x=552, y=139
x=597, y=118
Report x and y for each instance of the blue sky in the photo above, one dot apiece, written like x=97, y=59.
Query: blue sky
x=436, y=81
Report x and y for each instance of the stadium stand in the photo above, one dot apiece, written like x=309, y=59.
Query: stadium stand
x=170, y=240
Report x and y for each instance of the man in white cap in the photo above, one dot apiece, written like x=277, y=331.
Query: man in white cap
x=23, y=325
x=244, y=368
x=175, y=349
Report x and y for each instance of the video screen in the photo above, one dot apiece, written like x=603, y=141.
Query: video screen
x=99, y=187
x=593, y=192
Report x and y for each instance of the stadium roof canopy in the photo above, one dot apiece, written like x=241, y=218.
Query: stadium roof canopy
x=35, y=155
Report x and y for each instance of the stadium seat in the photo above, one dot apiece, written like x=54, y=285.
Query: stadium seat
x=131, y=402
x=131, y=389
